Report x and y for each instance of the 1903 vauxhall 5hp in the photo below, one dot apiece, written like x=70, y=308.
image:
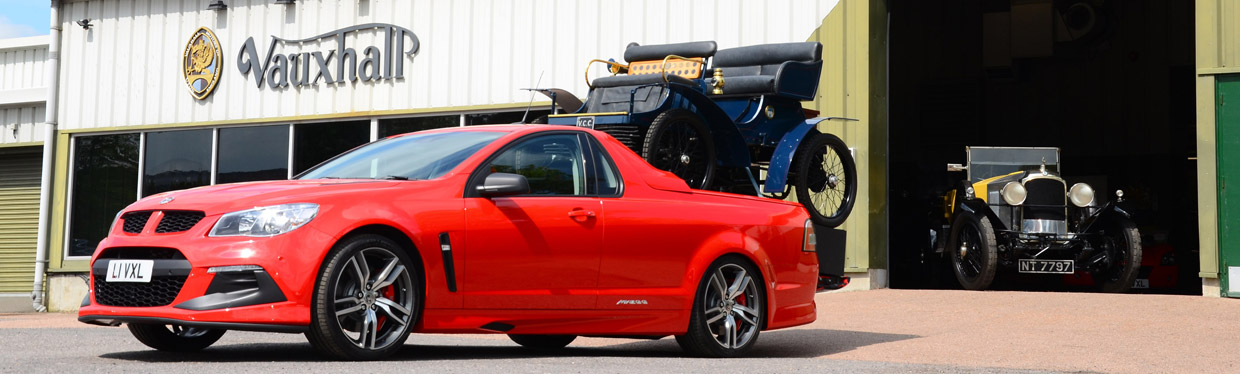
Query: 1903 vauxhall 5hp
x=1015, y=211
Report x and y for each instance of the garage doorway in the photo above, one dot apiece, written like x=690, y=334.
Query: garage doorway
x=1111, y=83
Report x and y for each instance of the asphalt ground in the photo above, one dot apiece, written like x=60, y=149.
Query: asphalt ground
x=866, y=331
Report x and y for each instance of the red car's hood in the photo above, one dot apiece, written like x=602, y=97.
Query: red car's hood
x=226, y=198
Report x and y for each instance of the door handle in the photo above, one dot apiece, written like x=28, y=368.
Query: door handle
x=579, y=213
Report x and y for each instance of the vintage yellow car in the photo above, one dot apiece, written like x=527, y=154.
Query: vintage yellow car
x=1014, y=211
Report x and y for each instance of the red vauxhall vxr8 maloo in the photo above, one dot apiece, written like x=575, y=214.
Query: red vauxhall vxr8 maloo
x=543, y=233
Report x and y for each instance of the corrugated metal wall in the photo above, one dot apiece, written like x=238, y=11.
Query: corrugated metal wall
x=21, y=124
x=19, y=216
x=23, y=89
x=852, y=86
x=125, y=70
x=22, y=66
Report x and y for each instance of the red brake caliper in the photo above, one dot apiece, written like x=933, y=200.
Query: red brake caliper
x=388, y=292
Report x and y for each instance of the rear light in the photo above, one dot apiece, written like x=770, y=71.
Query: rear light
x=810, y=242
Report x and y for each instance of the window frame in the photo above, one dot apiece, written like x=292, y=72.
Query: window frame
x=588, y=148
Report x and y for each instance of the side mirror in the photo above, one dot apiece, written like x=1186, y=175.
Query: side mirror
x=957, y=167
x=504, y=184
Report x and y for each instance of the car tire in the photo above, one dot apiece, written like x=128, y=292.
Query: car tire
x=1124, y=243
x=825, y=179
x=721, y=326
x=542, y=341
x=679, y=142
x=366, y=300
x=973, y=251
x=175, y=338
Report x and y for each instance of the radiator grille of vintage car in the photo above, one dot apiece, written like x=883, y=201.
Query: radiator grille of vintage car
x=631, y=135
x=1046, y=199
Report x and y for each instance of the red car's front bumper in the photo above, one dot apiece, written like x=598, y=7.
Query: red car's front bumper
x=260, y=284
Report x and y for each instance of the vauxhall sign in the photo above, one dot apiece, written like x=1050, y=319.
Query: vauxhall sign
x=302, y=68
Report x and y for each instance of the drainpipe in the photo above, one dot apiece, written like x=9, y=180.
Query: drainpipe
x=49, y=155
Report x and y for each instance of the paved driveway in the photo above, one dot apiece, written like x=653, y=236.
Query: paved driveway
x=867, y=331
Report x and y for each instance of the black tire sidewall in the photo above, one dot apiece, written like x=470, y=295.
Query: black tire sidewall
x=325, y=332
x=159, y=337
x=1128, y=274
x=801, y=167
x=658, y=128
x=988, y=245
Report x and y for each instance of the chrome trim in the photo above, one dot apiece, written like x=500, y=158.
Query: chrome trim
x=1044, y=226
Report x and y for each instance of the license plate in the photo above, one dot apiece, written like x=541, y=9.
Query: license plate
x=1047, y=266
x=1141, y=283
x=587, y=122
x=130, y=271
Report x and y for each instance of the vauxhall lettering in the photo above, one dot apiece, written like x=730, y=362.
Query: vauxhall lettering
x=343, y=63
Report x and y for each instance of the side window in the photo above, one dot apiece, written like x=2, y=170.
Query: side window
x=604, y=179
x=552, y=164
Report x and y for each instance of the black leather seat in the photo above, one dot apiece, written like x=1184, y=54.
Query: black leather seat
x=612, y=94
x=784, y=69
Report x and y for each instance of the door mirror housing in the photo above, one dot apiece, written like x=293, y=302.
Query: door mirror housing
x=504, y=184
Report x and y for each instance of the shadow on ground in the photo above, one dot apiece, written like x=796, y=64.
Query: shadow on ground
x=803, y=343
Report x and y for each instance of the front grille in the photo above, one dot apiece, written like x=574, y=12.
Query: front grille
x=135, y=221
x=170, y=271
x=631, y=136
x=142, y=253
x=177, y=221
x=161, y=291
x=1046, y=200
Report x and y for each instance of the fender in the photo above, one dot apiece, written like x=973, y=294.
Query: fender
x=564, y=99
x=730, y=147
x=781, y=160
x=1108, y=213
x=729, y=243
x=976, y=207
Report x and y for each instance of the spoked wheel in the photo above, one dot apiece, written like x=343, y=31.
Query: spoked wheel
x=366, y=300
x=1122, y=244
x=974, y=252
x=543, y=341
x=678, y=141
x=175, y=338
x=728, y=311
x=826, y=179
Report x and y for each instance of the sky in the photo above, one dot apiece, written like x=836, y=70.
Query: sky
x=19, y=18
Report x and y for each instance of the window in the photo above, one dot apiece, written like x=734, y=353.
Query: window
x=176, y=160
x=318, y=142
x=412, y=157
x=604, y=180
x=395, y=126
x=105, y=180
x=552, y=164
x=252, y=154
x=500, y=118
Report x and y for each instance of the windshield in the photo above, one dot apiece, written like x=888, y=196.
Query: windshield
x=987, y=162
x=410, y=157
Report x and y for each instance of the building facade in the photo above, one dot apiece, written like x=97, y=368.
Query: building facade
x=154, y=96
x=157, y=96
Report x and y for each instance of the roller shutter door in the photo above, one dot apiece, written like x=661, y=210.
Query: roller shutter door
x=19, y=217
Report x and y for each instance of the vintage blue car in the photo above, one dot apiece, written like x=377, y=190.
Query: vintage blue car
x=728, y=120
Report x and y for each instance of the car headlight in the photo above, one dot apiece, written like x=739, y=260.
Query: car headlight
x=265, y=221
x=1014, y=193
x=1081, y=194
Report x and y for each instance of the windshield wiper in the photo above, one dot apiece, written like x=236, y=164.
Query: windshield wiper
x=395, y=178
